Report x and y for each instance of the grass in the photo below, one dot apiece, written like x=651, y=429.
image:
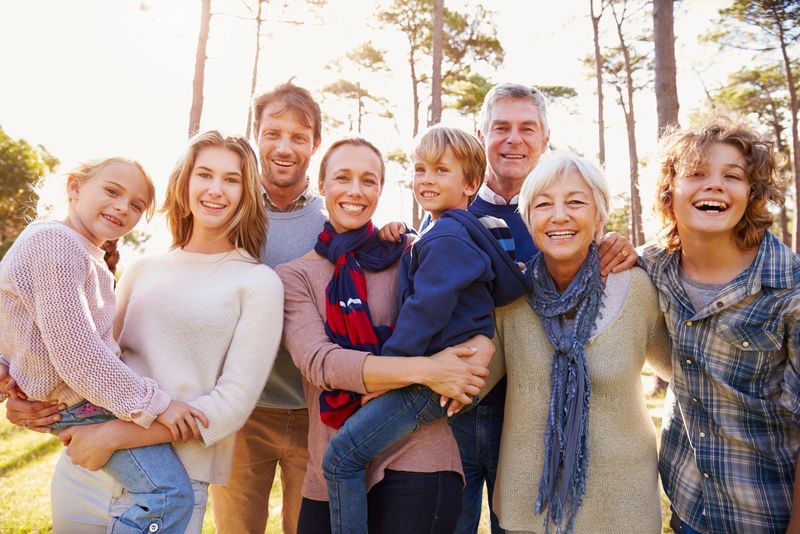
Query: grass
x=27, y=460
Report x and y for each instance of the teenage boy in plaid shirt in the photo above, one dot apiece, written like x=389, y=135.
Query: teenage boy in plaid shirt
x=728, y=289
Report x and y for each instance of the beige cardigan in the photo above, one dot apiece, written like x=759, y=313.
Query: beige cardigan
x=622, y=493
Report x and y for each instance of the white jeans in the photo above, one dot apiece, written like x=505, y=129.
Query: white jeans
x=85, y=501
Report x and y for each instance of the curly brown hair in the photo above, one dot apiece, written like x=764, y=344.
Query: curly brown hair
x=681, y=150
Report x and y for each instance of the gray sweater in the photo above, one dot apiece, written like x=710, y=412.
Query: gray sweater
x=290, y=235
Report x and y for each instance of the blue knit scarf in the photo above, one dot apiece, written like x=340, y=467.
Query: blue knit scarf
x=566, y=458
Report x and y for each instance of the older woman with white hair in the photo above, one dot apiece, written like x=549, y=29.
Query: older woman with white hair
x=578, y=452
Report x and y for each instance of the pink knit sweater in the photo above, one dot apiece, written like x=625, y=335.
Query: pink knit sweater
x=56, y=324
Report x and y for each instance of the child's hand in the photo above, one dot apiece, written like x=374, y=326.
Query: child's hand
x=454, y=407
x=393, y=231
x=179, y=417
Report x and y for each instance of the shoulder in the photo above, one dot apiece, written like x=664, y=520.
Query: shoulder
x=299, y=272
x=53, y=238
x=52, y=246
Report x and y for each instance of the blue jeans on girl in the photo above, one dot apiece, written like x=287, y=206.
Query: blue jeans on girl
x=375, y=427
x=154, y=477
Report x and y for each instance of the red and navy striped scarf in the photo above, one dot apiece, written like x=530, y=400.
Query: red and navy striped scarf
x=348, y=321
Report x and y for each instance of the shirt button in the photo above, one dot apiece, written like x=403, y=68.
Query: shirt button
x=153, y=527
x=689, y=323
x=745, y=344
x=695, y=400
x=706, y=475
x=688, y=361
x=702, y=434
x=719, y=304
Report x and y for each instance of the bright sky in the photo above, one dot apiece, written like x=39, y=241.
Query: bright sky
x=92, y=78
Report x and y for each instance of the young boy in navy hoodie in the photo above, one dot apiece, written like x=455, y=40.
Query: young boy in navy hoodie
x=450, y=282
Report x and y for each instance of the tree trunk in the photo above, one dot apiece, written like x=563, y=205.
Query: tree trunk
x=254, y=77
x=598, y=62
x=360, y=106
x=199, y=69
x=795, y=141
x=416, y=209
x=637, y=232
x=436, y=77
x=666, y=87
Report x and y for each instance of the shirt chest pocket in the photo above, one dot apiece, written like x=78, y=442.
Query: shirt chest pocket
x=752, y=337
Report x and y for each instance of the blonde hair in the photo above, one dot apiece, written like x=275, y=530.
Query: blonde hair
x=556, y=166
x=247, y=228
x=50, y=202
x=682, y=150
x=433, y=143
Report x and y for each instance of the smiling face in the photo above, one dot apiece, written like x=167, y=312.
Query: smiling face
x=441, y=185
x=514, y=142
x=564, y=220
x=215, y=191
x=285, y=145
x=351, y=186
x=711, y=197
x=108, y=204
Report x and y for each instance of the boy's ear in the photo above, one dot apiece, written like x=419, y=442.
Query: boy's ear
x=472, y=187
x=73, y=187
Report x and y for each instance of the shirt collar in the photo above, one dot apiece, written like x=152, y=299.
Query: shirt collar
x=299, y=202
x=485, y=193
x=774, y=266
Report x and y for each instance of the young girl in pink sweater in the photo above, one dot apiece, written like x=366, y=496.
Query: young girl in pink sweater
x=56, y=316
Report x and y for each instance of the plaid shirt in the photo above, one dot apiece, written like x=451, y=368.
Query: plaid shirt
x=730, y=434
x=299, y=203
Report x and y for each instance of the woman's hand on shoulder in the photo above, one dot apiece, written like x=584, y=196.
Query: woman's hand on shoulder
x=179, y=418
x=616, y=254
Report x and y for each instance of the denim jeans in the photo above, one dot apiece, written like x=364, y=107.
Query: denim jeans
x=477, y=433
x=375, y=427
x=678, y=526
x=154, y=476
x=402, y=503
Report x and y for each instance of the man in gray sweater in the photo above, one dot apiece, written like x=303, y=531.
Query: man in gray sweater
x=288, y=132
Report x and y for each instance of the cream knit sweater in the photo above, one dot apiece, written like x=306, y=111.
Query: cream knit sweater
x=622, y=493
x=206, y=327
x=56, y=317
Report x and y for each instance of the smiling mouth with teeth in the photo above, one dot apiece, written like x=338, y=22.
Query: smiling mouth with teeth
x=282, y=162
x=352, y=208
x=112, y=220
x=212, y=205
x=560, y=235
x=711, y=205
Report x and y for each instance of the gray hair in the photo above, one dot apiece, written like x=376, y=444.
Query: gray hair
x=513, y=90
x=553, y=167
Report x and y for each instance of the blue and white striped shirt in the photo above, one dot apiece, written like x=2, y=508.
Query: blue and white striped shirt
x=730, y=435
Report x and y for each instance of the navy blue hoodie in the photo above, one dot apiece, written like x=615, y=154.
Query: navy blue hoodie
x=451, y=279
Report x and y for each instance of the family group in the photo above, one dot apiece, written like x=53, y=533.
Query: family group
x=391, y=373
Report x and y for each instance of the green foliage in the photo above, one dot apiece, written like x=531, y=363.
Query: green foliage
x=21, y=165
x=619, y=216
x=467, y=92
x=758, y=25
x=469, y=38
x=368, y=58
